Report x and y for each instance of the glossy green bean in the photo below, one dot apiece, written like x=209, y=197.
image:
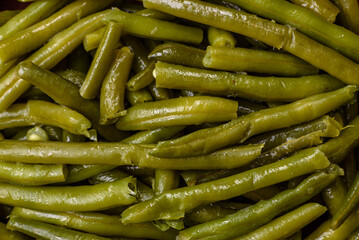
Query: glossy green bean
x=323, y=8
x=348, y=15
x=73, y=76
x=95, y=223
x=165, y=180
x=36, y=134
x=271, y=33
x=177, y=53
x=262, y=193
x=159, y=93
x=77, y=173
x=70, y=198
x=286, y=225
x=333, y=195
x=220, y=38
x=208, y=213
x=153, y=136
x=354, y=235
x=155, y=14
x=208, y=140
x=46, y=231
x=6, y=15
x=32, y=14
x=140, y=60
x=101, y=61
x=250, y=218
x=67, y=94
x=173, y=204
x=259, y=61
x=54, y=133
x=177, y=111
x=11, y=235
x=139, y=96
x=70, y=137
x=243, y=85
x=79, y=61
x=141, y=79
x=112, y=97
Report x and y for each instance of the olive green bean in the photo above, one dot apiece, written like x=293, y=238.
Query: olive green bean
x=177, y=53
x=159, y=93
x=79, y=61
x=155, y=14
x=259, y=61
x=47, y=231
x=354, y=235
x=220, y=38
x=70, y=198
x=246, y=107
x=349, y=165
x=140, y=60
x=74, y=76
x=112, y=97
x=243, y=85
x=286, y=225
x=237, y=130
x=333, y=195
x=36, y=134
x=271, y=33
x=208, y=213
x=54, y=133
x=252, y=217
x=77, y=173
x=70, y=137
x=262, y=193
x=11, y=235
x=165, y=180
x=323, y=8
x=95, y=223
x=177, y=111
x=154, y=135
x=5, y=67
x=172, y=204
x=139, y=96
x=32, y=174
x=6, y=15
x=67, y=94
x=348, y=15
x=142, y=79
x=32, y=14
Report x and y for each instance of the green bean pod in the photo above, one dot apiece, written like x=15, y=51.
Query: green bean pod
x=153, y=136
x=258, y=61
x=324, y=8
x=95, y=223
x=179, y=111
x=243, y=85
x=155, y=14
x=208, y=213
x=79, y=61
x=32, y=174
x=177, y=53
x=73, y=76
x=333, y=195
x=159, y=93
x=77, y=173
x=112, y=97
x=237, y=130
x=11, y=235
x=139, y=96
x=70, y=198
x=174, y=203
x=348, y=14
x=354, y=235
x=6, y=15
x=46, y=231
x=32, y=14
x=221, y=38
x=165, y=180
x=248, y=219
x=36, y=134
x=142, y=79
x=66, y=93
x=288, y=224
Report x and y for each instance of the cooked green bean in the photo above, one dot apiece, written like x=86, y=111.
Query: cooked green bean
x=349, y=14
x=155, y=14
x=112, y=97
x=95, y=223
x=177, y=53
x=259, y=61
x=70, y=198
x=11, y=235
x=140, y=60
x=142, y=79
x=208, y=213
x=159, y=93
x=34, y=13
x=47, y=231
x=333, y=195
x=165, y=180
x=153, y=136
x=263, y=193
x=221, y=38
x=323, y=8
x=208, y=140
x=36, y=134
x=67, y=93
x=79, y=61
x=6, y=15
x=354, y=235
x=77, y=173
x=54, y=133
x=70, y=137
x=178, y=111
x=269, y=32
x=173, y=204
x=250, y=218
x=73, y=76
x=286, y=225
x=243, y=85
x=139, y=96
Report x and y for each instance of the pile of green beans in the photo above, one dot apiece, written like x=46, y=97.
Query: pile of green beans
x=179, y=119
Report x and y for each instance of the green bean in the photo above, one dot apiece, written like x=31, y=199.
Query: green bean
x=165, y=180
x=246, y=107
x=140, y=60
x=333, y=195
x=323, y=8
x=349, y=165
x=243, y=85
x=32, y=174
x=159, y=93
x=67, y=93
x=93, y=39
x=259, y=61
x=70, y=198
x=54, y=133
x=177, y=111
x=70, y=137
x=262, y=193
x=354, y=235
x=6, y=15
x=95, y=223
x=155, y=14
x=74, y=76
x=77, y=173
x=47, y=231
x=112, y=95
x=221, y=38
x=142, y=79
x=153, y=136
x=348, y=15
x=208, y=140
x=286, y=225
x=5, y=67
x=35, y=36
x=296, y=236
x=271, y=33
x=34, y=13
x=252, y=217
x=36, y=134
x=79, y=61
x=208, y=213
x=177, y=53
x=173, y=204
x=11, y=235
x=151, y=43
x=131, y=7
x=139, y=96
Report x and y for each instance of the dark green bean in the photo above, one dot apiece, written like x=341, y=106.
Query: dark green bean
x=333, y=195
x=221, y=38
x=139, y=96
x=323, y=8
x=6, y=15
x=73, y=76
x=159, y=93
x=153, y=136
x=142, y=79
x=11, y=235
x=348, y=15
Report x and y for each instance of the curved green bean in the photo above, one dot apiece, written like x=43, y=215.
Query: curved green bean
x=172, y=204
x=220, y=38
x=333, y=195
x=324, y=8
x=177, y=111
x=142, y=79
x=77, y=173
x=153, y=136
x=73, y=76
x=165, y=180
x=348, y=14
x=252, y=60
x=70, y=198
x=11, y=235
x=159, y=93
x=243, y=85
x=208, y=140
x=6, y=15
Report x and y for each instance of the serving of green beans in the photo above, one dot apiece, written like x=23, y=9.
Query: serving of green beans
x=179, y=119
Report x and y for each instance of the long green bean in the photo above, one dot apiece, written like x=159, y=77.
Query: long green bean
x=349, y=14
x=6, y=15
x=323, y=8
x=11, y=235
x=221, y=38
